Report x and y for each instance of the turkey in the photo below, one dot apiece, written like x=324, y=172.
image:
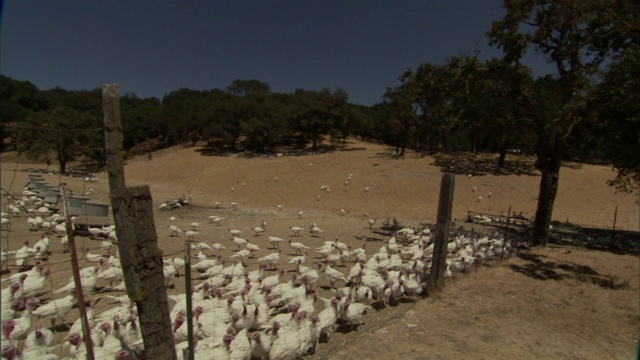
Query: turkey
x=34, y=284
x=205, y=264
x=173, y=230
x=333, y=275
x=298, y=247
x=88, y=282
x=315, y=231
x=327, y=320
x=258, y=230
x=112, y=274
x=17, y=329
x=352, y=313
x=285, y=345
x=56, y=309
x=13, y=292
x=92, y=257
x=275, y=241
x=23, y=254
x=240, y=242
x=271, y=259
x=37, y=342
x=296, y=230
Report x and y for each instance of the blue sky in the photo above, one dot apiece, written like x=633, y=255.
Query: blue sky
x=151, y=48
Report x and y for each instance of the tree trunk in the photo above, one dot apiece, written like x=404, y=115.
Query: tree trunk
x=62, y=162
x=503, y=154
x=549, y=163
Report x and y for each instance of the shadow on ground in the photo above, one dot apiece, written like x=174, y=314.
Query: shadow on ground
x=541, y=267
x=484, y=164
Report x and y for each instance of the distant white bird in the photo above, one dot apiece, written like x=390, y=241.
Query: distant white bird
x=217, y=247
x=298, y=247
x=343, y=212
x=239, y=241
x=300, y=213
x=174, y=230
x=253, y=248
x=235, y=232
x=191, y=234
x=296, y=230
x=271, y=259
x=216, y=220
x=194, y=226
x=371, y=222
x=279, y=207
x=202, y=246
x=258, y=230
x=315, y=231
x=275, y=241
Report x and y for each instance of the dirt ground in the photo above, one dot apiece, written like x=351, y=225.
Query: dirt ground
x=553, y=302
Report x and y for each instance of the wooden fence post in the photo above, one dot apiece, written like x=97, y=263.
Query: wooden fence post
x=77, y=279
x=613, y=230
x=506, y=233
x=140, y=256
x=187, y=280
x=445, y=207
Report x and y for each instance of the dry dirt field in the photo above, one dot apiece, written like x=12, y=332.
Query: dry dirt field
x=556, y=302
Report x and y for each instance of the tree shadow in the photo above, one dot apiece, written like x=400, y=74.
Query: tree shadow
x=273, y=152
x=539, y=268
x=368, y=238
x=465, y=163
x=621, y=242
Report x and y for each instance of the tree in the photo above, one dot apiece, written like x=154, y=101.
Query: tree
x=246, y=87
x=619, y=100
x=17, y=100
x=63, y=131
x=580, y=37
x=139, y=119
x=316, y=112
x=403, y=118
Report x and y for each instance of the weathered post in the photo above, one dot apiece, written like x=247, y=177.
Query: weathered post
x=187, y=286
x=506, y=233
x=613, y=230
x=140, y=256
x=445, y=207
x=77, y=279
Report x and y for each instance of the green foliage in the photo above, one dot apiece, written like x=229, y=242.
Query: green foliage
x=581, y=38
x=62, y=132
x=248, y=87
x=17, y=100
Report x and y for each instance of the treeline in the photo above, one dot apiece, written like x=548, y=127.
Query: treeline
x=60, y=125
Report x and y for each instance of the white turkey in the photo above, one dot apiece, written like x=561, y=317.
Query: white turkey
x=333, y=275
x=56, y=309
x=275, y=241
x=270, y=259
x=298, y=246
